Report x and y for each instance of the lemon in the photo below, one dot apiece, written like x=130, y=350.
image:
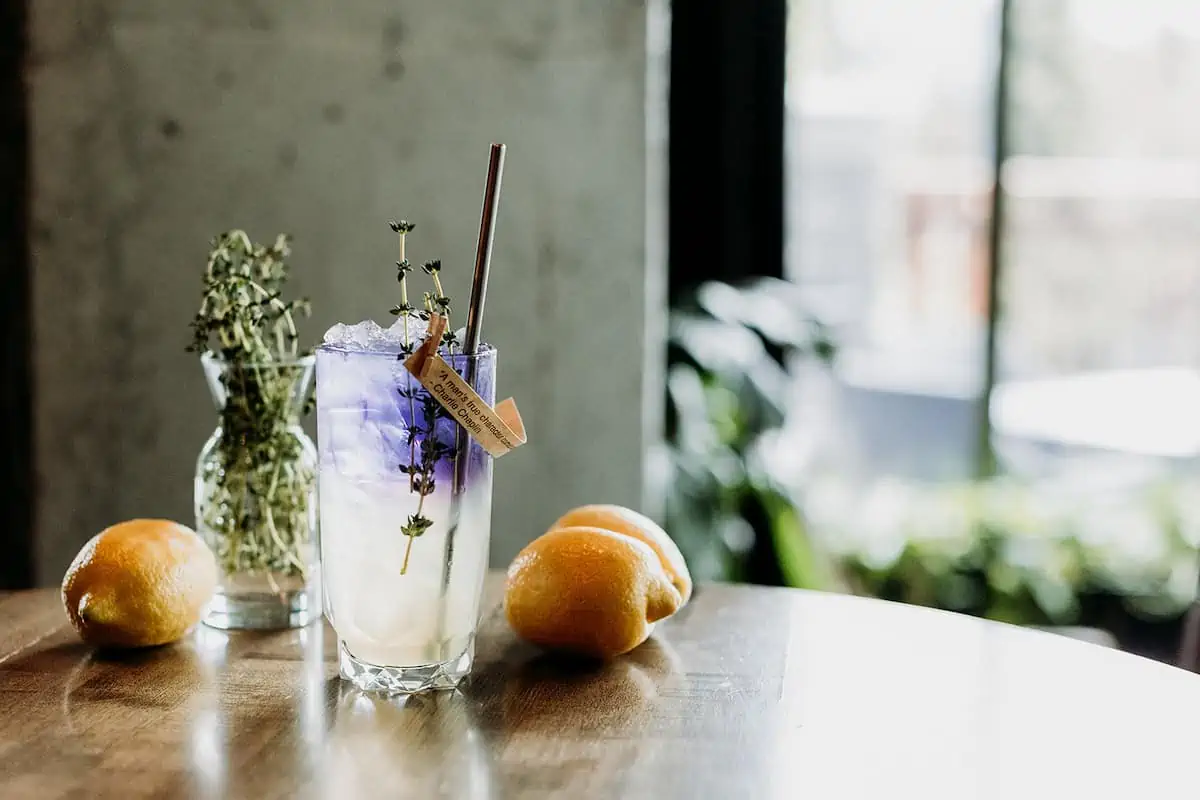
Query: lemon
x=619, y=519
x=140, y=583
x=595, y=583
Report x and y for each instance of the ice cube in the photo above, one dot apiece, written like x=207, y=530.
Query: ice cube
x=368, y=335
x=354, y=337
x=364, y=444
x=337, y=334
x=395, y=334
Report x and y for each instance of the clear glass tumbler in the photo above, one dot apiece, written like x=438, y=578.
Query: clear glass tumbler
x=406, y=507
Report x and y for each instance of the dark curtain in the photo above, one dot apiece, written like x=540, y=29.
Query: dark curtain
x=16, y=469
x=726, y=145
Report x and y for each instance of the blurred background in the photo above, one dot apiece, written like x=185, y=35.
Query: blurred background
x=888, y=298
x=990, y=407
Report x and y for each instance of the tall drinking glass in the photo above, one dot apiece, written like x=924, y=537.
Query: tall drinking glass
x=406, y=506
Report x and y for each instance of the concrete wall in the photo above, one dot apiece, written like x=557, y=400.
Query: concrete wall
x=159, y=123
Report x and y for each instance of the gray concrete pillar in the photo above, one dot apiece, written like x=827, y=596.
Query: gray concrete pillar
x=158, y=124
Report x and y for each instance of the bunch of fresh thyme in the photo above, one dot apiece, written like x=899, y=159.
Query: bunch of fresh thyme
x=423, y=411
x=259, y=489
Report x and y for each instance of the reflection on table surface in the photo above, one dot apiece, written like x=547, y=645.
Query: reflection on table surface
x=747, y=692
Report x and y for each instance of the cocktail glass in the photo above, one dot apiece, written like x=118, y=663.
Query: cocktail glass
x=405, y=503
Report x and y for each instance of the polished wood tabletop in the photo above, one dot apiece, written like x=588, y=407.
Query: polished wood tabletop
x=747, y=693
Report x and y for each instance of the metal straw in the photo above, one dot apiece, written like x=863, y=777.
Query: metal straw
x=483, y=263
x=479, y=281
x=483, y=250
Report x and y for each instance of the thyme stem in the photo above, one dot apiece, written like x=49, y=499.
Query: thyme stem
x=421, y=472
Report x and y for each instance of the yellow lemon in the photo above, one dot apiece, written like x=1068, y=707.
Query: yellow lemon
x=139, y=583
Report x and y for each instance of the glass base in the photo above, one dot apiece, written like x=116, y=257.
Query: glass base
x=404, y=680
x=263, y=611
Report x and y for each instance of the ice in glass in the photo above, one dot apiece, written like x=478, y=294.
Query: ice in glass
x=405, y=508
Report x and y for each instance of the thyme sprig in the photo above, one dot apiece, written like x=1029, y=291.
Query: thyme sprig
x=256, y=512
x=441, y=303
x=424, y=448
x=402, y=228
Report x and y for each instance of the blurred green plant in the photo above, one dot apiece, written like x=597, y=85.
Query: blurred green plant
x=729, y=391
x=742, y=506
x=1015, y=552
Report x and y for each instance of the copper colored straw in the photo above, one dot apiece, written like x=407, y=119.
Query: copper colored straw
x=479, y=281
x=483, y=250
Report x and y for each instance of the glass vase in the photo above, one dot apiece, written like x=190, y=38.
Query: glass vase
x=256, y=496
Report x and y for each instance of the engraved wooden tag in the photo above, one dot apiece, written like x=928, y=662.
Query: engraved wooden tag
x=498, y=429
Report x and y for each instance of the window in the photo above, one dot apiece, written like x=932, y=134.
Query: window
x=891, y=108
x=889, y=172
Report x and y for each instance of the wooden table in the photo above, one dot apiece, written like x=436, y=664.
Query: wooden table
x=748, y=693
